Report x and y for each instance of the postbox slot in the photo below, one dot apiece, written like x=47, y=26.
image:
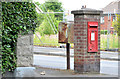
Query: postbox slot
x=93, y=26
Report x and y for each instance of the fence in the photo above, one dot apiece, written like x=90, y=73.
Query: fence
x=109, y=43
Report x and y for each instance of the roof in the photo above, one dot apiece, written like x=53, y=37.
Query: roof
x=113, y=7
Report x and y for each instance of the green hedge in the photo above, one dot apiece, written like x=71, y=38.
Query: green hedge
x=17, y=18
x=103, y=32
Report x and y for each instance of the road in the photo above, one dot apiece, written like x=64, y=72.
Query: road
x=59, y=62
x=62, y=52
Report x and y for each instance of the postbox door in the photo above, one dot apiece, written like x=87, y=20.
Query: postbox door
x=92, y=37
x=93, y=41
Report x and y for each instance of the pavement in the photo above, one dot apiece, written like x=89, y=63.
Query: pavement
x=107, y=55
x=36, y=72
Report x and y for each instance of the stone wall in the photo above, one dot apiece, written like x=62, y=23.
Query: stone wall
x=84, y=61
x=25, y=50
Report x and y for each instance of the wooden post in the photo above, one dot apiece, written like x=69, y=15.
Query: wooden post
x=68, y=55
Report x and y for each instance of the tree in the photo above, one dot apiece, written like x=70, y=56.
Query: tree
x=46, y=26
x=40, y=16
x=116, y=24
x=55, y=6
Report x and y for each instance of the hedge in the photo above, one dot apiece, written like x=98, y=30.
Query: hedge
x=17, y=18
x=103, y=32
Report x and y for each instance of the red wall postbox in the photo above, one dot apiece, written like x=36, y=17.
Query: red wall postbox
x=92, y=36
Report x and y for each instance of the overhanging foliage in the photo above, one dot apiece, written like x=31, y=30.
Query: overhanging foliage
x=17, y=18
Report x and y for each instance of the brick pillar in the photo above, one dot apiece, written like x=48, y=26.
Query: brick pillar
x=84, y=61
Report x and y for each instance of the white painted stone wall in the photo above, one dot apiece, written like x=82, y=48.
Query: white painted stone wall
x=25, y=50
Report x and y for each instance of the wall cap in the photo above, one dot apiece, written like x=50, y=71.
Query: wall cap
x=87, y=11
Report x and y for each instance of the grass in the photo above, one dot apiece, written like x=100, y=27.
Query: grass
x=47, y=41
x=113, y=41
x=53, y=41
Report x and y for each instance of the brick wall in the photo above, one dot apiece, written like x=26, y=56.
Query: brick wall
x=84, y=61
x=104, y=25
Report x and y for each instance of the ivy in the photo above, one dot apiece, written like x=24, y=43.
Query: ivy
x=17, y=18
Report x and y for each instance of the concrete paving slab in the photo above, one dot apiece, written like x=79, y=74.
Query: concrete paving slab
x=25, y=72
x=21, y=72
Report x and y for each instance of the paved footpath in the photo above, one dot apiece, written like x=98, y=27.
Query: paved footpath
x=62, y=52
x=36, y=72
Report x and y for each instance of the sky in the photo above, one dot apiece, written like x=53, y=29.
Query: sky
x=77, y=4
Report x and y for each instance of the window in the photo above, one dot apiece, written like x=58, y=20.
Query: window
x=114, y=18
x=102, y=19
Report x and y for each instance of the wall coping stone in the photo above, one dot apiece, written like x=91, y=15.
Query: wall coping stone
x=87, y=11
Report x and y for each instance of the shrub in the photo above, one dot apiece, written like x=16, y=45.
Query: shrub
x=17, y=18
x=103, y=32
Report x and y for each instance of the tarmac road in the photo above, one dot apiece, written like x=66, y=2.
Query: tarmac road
x=62, y=52
x=59, y=62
